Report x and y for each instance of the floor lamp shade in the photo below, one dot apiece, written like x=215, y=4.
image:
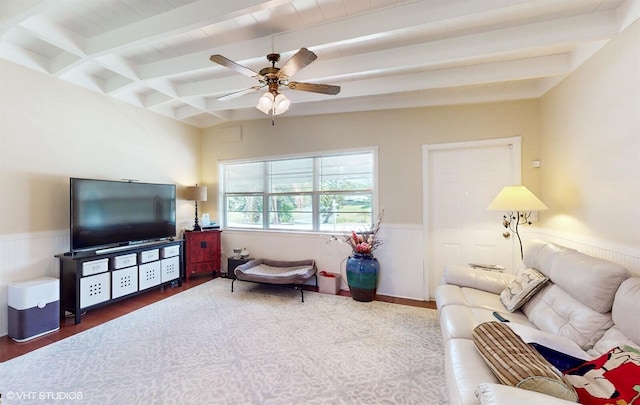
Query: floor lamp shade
x=516, y=198
x=518, y=202
x=196, y=193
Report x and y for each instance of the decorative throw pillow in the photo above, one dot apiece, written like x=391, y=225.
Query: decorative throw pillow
x=613, y=378
x=522, y=288
x=517, y=364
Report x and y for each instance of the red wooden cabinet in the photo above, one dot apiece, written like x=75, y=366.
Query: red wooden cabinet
x=202, y=252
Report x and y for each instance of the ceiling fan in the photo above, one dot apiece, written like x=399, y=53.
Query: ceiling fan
x=273, y=101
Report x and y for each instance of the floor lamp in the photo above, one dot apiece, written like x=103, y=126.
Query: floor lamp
x=196, y=193
x=518, y=202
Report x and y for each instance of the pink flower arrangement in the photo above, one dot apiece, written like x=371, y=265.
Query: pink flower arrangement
x=364, y=242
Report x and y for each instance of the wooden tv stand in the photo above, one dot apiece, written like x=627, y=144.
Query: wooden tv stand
x=90, y=280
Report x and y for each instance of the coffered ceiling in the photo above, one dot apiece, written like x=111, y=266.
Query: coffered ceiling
x=384, y=54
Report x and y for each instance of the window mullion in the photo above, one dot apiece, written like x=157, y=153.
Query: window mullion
x=265, y=196
x=315, y=198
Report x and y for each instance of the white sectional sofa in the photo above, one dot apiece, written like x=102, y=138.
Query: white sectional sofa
x=587, y=307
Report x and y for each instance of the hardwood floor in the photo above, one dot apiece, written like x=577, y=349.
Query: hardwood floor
x=10, y=349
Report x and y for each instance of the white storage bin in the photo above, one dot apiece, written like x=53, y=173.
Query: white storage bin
x=95, y=267
x=170, y=268
x=149, y=275
x=124, y=281
x=95, y=289
x=34, y=308
x=170, y=251
x=149, y=256
x=120, y=262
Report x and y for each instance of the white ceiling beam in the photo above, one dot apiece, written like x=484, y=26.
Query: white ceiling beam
x=434, y=97
x=427, y=54
x=628, y=13
x=64, y=63
x=118, y=84
x=239, y=52
x=43, y=28
x=15, y=15
x=467, y=48
x=130, y=98
x=23, y=56
x=186, y=111
x=84, y=80
x=120, y=65
x=176, y=21
x=155, y=98
x=507, y=71
x=379, y=23
x=418, y=14
x=551, y=33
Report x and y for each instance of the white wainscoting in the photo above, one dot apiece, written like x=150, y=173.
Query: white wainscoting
x=626, y=256
x=401, y=258
x=25, y=257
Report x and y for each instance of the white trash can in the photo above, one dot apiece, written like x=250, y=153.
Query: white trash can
x=328, y=283
x=34, y=308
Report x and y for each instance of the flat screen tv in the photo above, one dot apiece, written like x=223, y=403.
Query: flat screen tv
x=108, y=213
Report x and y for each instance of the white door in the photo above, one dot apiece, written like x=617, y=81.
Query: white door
x=461, y=180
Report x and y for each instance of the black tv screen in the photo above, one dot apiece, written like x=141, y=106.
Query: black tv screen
x=112, y=213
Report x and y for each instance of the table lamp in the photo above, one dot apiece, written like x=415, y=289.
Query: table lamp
x=196, y=193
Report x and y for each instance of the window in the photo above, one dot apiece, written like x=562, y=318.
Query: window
x=317, y=193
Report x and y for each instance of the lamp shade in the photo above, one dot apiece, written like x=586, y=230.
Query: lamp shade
x=516, y=198
x=196, y=193
x=265, y=103
x=281, y=104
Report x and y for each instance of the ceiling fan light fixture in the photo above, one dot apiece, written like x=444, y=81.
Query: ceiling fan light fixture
x=265, y=103
x=277, y=104
x=281, y=104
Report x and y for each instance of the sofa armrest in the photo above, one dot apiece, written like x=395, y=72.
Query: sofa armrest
x=490, y=281
x=493, y=394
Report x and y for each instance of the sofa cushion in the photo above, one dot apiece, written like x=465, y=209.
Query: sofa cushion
x=458, y=321
x=611, y=378
x=522, y=288
x=465, y=276
x=515, y=363
x=464, y=370
x=588, y=279
x=554, y=311
x=626, y=317
x=498, y=394
x=625, y=309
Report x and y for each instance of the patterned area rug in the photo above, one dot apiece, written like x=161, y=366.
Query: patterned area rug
x=258, y=345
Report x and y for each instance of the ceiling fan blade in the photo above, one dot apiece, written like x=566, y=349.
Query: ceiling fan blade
x=239, y=93
x=301, y=59
x=221, y=60
x=316, y=88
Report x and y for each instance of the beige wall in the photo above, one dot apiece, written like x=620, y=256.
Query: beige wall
x=51, y=131
x=590, y=146
x=398, y=134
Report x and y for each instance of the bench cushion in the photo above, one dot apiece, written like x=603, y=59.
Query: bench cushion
x=276, y=271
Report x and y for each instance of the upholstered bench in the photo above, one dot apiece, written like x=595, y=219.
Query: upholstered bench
x=265, y=271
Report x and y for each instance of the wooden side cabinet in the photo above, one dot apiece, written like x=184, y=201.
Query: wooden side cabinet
x=202, y=252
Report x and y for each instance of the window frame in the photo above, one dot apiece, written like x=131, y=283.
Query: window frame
x=315, y=193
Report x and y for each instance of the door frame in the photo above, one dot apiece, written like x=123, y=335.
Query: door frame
x=514, y=143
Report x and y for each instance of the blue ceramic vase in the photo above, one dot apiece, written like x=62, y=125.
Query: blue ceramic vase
x=362, y=276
